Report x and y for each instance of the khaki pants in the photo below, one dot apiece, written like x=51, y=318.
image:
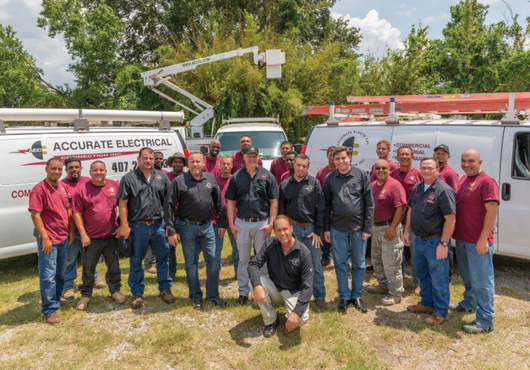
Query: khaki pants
x=386, y=259
x=272, y=295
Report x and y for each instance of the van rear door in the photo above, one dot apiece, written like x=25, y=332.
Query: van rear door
x=515, y=193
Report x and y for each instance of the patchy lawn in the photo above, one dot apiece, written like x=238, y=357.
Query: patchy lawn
x=161, y=336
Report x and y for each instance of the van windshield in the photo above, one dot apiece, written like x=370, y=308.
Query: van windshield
x=268, y=142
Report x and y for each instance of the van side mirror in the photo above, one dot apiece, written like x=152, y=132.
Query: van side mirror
x=204, y=149
x=298, y=148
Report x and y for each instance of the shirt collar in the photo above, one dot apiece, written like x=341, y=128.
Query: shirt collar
x=347, y=174
x=295, y=246
x=190, y=177
x=292, y=179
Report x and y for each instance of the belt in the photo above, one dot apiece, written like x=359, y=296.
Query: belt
x=198, y=223
x=151, y=222
x=423, y=238
x=300, y=224
x=254, y=219
x=383, y=223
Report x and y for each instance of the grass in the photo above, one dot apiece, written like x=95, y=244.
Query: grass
x=161, y=336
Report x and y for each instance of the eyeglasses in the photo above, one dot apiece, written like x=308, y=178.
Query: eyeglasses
x=381, y=168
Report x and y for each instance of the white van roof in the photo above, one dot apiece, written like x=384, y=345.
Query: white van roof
x=256, y=126
x=423, y=122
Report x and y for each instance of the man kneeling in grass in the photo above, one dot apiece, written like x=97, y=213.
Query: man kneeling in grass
x=290, y=278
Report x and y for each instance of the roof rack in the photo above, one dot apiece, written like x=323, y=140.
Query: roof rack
x=251, y=120
x=510, y=104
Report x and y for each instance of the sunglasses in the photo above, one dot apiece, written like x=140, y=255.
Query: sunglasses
x=381, y=168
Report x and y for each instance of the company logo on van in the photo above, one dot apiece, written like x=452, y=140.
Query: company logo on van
x=356, y=141
x=37, y=149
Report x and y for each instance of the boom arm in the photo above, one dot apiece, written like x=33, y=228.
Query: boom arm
x=272, y=58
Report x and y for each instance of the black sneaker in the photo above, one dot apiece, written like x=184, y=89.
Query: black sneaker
x=459, y=308
x=197, y=304
x=242, y=300
x=269, y=330
x=343, y=306
x=359, y=304
x=218, y=302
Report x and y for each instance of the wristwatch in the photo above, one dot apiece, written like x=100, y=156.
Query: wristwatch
x=445, y=244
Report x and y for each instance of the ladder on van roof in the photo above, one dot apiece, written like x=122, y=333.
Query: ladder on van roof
x=418, y=105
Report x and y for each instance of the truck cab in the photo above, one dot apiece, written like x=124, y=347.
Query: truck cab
x=266, y=134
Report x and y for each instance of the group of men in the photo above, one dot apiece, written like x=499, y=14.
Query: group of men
x=339, y=210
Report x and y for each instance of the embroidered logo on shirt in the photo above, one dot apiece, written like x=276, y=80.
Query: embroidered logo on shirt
x=264, y=176
x=158, y=177
x=382, y=194
x=412, y=179
x=470, y=186
x=295, y=261
x=309, y=188
x=430, y=198
x=208, y=185
x=112, y=190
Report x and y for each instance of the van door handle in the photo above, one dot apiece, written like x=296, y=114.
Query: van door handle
x=506, y=191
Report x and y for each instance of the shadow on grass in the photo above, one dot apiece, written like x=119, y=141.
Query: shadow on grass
x=19, y=268
x=416, y=322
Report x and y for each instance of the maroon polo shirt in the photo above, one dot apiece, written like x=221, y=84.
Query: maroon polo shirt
x=407, y=179
x=97, y=206
x=171, y=176
x=52, y=203
x=387, y=198
x=239, y=162
x=223, y=184
x=391, y=167
x=322, y=173
x=278, y=168
x=285, y=175
x=471, y=195
x=449, y=176
x=72, y=186
x=212, y=166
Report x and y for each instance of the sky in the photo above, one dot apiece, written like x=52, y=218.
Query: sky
x=383, y=23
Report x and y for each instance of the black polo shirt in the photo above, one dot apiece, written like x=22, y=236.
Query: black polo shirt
x=303, y=201
x=292, y=271
x=349, y=201
x=145, y=199
x=192, y=200
x=252, y=195
x=428, y=208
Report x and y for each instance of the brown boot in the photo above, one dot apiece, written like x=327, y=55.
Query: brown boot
x=434, y=320
x=417, y=290
x=167, y=296
x=69, y=294
x=376, y=289
x=419, y=308
x=53, y=319
x=83, y=303
x=137, y=302
x=100, y=284
x=151, y=270
x=118, y=297
x=321, y=303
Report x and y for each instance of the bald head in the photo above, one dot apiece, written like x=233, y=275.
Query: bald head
x=214, y=148
x=382, y=170
x=471, y=162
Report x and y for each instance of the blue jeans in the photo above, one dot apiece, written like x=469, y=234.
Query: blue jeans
x=352, y=244
x=71, y=264
x=433, y=275
x=219, y=246
x=478, y=276
x=51, y=275
x=194, y=239
x=143, y=236
x=301, y=234
x=326, y=250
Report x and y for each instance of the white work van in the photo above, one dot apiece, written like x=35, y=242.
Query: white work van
x=505, y=151
x=24, y=152
x=266, y=134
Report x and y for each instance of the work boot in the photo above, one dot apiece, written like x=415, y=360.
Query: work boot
x=100, y=284
x=118, y=297
x=321, y=303
x=417, y=290
x=52, y=319
x=434, y=319
x=390, y=300
x=242, y=300
x=83, y=303
x=136, y=302
x=269, y=330
x=459, y=308
x=69, y=294
x=326, y=263
x=376, y=289
x=151, y=270
x=167, y=296
x=419, y=308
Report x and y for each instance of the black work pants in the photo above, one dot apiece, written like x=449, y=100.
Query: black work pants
x=108, y=247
